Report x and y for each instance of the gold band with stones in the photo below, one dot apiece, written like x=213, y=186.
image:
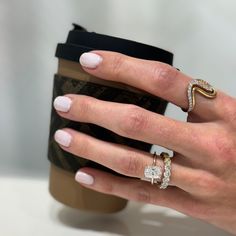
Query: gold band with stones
x=167, y=170
x=200, y=86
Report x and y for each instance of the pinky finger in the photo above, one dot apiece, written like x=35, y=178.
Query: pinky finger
x=137, y=190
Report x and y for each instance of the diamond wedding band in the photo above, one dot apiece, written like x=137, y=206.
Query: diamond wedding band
x=167, y=170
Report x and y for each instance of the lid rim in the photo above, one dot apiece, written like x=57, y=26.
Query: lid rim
x=79, y=42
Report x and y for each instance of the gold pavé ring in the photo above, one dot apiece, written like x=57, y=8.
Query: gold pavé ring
x=202, y=87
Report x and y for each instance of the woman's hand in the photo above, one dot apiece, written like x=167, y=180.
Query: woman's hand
x=203, y=181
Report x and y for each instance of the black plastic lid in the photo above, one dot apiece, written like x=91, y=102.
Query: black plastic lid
x=80, y=41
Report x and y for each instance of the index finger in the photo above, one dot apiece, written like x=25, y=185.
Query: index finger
x=154, y=77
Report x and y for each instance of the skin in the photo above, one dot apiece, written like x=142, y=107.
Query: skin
x=204, y=166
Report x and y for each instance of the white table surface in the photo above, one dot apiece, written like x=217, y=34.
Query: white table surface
x=28, y=209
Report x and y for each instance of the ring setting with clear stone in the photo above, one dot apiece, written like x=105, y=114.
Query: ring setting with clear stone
x=158, y=174
x=153, y=172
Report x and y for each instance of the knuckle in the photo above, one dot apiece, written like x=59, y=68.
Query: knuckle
x=228, y=113
x=199, y=210
x=81, y=146
x=163, y=76
x=84, y=105
x=133, y=121
x=131, y=164
x=143, y=194
x=108, y=187
x=231, y=117
x=118, y=62
x=208, y=185
x=224, y=147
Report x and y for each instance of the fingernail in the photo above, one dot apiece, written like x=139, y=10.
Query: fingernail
x=90, y=60
x=62, y=137
x=62, y=103
x=84, y=178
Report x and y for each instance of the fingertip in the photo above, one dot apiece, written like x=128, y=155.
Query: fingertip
x=84, y=178
x=90, y=60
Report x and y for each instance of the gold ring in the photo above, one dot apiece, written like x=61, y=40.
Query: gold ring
x=202, y=87
x=167, y=170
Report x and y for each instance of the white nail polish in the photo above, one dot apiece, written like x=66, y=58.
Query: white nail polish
x=62, y=137
x=90, y=60
x=84, y=178
x=62, y=103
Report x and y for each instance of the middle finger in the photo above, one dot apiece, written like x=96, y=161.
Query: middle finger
x=155, y=77
x=131, y=121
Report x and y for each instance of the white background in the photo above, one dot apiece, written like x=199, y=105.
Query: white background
x=201, y=34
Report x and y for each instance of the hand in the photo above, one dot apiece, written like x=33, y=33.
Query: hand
x=204, y=166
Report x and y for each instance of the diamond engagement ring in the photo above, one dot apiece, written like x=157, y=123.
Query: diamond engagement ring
x=153, y=172
x=200, y=86
x=167, y=170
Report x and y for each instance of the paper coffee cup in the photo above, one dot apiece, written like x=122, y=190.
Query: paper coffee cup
x=71, y=78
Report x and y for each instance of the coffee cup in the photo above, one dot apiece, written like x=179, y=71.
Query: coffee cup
x=72, y=79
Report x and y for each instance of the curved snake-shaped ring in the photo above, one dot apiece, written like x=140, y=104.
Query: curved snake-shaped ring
x=202, y=87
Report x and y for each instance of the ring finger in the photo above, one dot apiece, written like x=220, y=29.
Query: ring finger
x=123, y=159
